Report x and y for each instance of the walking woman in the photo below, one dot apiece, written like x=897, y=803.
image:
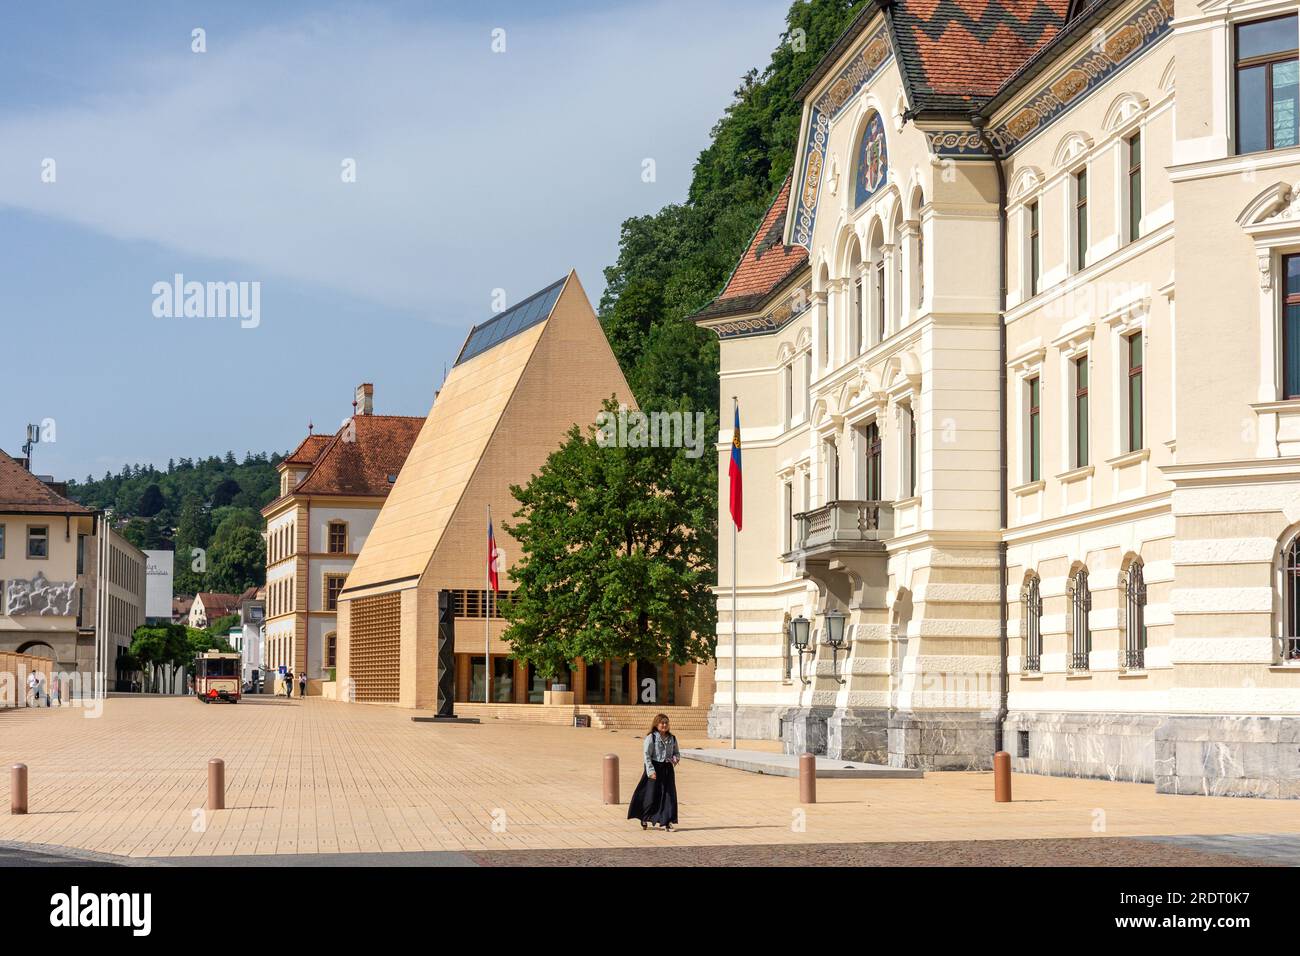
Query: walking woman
x=655, y=798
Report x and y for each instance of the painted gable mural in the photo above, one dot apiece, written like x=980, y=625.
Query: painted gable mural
x=872, y=161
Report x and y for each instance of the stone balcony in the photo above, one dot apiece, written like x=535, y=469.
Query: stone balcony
x=841, y=546
x=847, y=526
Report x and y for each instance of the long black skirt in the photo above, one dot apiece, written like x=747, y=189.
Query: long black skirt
x=655, y=801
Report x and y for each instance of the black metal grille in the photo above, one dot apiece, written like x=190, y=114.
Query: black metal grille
x=1135, y=617
x=1031, y=625
x=1081, y=632
x=1291, y=594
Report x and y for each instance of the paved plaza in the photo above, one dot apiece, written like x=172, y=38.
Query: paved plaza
x=320, y=777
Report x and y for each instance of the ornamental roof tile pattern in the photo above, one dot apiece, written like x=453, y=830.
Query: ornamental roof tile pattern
x=21, y=492
x=360, y=457
x=956, y=54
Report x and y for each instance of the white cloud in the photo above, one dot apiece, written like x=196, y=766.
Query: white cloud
x=475, y=170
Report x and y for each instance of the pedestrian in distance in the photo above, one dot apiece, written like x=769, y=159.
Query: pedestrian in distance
x=655, y=799
x=302, y=684
x=288, y=684
x=34, y=685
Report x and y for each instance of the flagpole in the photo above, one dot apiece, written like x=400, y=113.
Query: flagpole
x=487, y=618
x=735, y=409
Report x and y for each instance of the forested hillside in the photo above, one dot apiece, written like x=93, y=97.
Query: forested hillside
x=211, y=504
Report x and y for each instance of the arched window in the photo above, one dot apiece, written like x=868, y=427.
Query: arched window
x=1080, y=633
x=1135, y=616
x=876, y=252
x=1291, y=601
x=855, y=317
x=918, y=259
x=1031, y=624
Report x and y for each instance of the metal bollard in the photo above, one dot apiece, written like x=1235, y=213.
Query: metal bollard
x=611, y=778
x=1002, y=777
x=216, y=784
x=18, y=789
x=807, y=778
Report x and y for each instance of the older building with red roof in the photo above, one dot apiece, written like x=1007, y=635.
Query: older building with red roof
x=331, y=490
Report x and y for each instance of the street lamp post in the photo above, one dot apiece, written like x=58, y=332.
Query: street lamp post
x=834, y=621
x=799, y=638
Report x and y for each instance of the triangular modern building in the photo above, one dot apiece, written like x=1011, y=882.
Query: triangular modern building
x=522, y=379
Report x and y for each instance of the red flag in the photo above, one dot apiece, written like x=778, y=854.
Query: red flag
x=492, y=560
x=733, y=471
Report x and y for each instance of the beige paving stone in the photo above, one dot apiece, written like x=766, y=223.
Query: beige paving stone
x=324, y=777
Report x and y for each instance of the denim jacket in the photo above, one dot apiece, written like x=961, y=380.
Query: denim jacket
x=656, y=748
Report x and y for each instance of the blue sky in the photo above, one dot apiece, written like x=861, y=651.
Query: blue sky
x=475, y=171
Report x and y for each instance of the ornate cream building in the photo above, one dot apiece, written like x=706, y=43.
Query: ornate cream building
x=1017, y=354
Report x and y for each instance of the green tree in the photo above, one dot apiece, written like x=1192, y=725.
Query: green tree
x=194, y=531
x=151, y=501
x=615, y=559
x=238, y=560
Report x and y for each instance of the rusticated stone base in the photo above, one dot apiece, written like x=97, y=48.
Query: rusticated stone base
x=953, y=740
x=752, y=723
x=858, y=733
x=1228, y=756
x=1101, y=746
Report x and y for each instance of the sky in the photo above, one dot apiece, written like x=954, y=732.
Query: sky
x=377, y=174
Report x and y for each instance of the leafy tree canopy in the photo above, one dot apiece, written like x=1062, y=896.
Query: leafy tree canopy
x=616, y=560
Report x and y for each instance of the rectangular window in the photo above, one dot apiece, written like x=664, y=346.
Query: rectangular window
x=1267, y=94
x=874, y=491
x=1291, y=329
x=331, y=649
x=338, y=543
x=81, y=554
x=1034, y=429
x=38, y=541
x=2, y=540
x=1134, y=151
x=1080, y=411
x=333, y=585
x=1080, y=219
x=1035, y=249
x=1134, y=343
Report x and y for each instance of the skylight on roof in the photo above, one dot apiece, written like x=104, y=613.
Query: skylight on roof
x=511, y=322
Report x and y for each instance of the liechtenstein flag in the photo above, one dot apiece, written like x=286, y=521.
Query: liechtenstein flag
x=492, y=559
x=733, y=471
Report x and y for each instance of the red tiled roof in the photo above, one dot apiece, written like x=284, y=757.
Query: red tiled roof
x=217, y=605
x=766, y=265
x=957, y=53
x=308, y=450
x=358, y=461
x=22, y=492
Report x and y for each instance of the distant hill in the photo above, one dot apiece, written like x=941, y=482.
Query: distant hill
x=211, y=504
